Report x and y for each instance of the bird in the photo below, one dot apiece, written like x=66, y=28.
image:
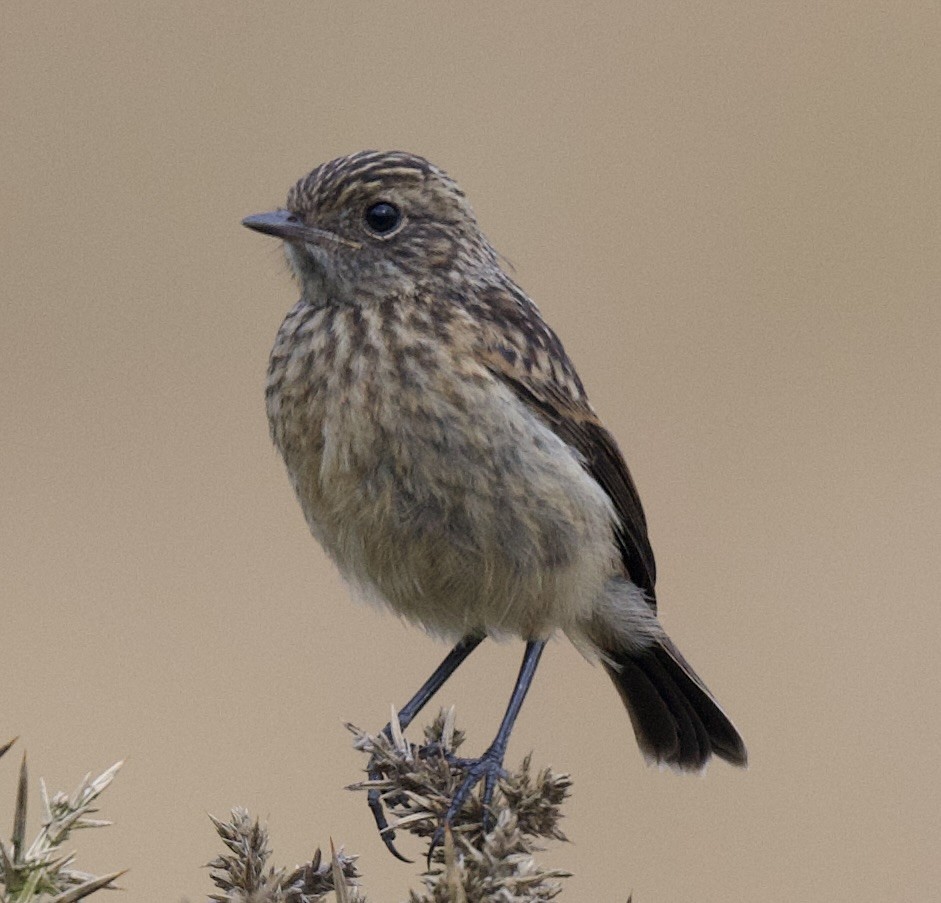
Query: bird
x=446, y=457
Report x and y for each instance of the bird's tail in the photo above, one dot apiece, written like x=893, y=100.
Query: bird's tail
x=675, y=718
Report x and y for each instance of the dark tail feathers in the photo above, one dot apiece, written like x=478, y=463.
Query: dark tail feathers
x=675, y=718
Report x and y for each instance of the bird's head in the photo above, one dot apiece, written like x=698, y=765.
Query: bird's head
x=375, y=224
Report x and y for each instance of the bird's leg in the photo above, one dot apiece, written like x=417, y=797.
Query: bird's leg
x=407, y=714
x=490, y=765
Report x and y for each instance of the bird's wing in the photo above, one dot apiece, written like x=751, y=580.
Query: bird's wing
x=528, y=357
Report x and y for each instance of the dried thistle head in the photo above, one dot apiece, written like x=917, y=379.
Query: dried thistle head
x=241, y=875
x=417, y=785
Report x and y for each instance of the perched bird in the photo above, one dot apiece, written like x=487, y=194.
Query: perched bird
x=446, y=456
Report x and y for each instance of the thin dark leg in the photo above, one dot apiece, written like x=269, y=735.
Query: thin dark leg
x=520, y=689
x=451, y=663
x=490, y=764
x=407, y=713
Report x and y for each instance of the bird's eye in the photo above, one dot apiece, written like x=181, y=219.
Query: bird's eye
x=383, y=217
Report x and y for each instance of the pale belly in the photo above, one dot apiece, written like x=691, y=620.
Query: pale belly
x=466, y=516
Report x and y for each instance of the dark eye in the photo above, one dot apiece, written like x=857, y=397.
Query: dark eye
x=383, y=217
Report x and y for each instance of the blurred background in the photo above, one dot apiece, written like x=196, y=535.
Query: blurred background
x=732, y=215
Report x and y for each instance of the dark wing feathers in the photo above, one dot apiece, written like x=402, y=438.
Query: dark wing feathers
x=572, y=420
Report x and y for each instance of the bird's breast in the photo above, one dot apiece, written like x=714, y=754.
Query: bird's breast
x=430, y=485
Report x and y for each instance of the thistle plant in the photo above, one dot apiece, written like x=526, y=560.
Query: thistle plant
x=43, y=871
x=242, y=877
x=473, y=865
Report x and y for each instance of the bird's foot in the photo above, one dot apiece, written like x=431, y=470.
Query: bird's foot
x=489, y=769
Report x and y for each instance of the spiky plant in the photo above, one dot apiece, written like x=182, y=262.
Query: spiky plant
x=417, y=784
x=242, y=877
x=43, y=871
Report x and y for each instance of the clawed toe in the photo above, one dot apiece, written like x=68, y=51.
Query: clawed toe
x=374, y=799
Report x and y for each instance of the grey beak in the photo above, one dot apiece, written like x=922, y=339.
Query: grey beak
x=279, y=223
x=285, y=225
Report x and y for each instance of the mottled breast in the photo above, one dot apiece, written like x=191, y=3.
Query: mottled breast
x=428, y=482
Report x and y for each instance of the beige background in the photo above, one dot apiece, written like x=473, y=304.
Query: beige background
x=731, y=213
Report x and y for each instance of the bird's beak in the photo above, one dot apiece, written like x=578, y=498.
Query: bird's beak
x=285, y=225
x=279, y=223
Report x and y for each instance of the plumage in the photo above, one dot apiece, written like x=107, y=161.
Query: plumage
x=573, y=420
